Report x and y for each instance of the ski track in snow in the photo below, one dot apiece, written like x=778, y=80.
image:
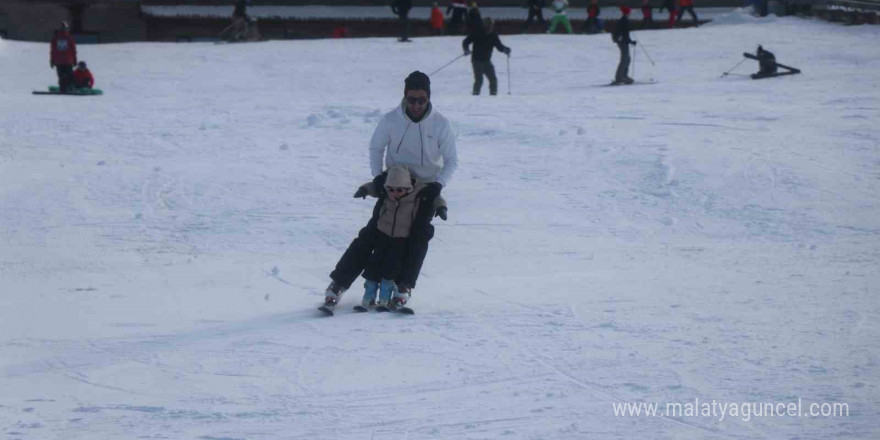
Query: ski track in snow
x=162, y=254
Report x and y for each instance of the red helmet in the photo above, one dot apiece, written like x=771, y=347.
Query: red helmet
x=625, y=9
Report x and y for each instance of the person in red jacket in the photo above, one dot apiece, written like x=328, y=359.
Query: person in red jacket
x=592, y=25
x=436, y=20
x=688, y=5
x=647, y=15
x=63, y=56
x=82, y=78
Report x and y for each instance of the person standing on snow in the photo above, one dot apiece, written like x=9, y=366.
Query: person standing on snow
x=536, y=9
x=561, y=16
x=62, y=57
x=401, y=9
x=419, y=137
x=436, y=19
x=647, y=14
x=458, y=8
x=670, y=6
x=591, y=26
x=622, y=38
x=481, y=57
x=688, y=5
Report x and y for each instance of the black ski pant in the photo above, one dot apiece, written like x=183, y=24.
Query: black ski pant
x=623, y=65
x=484, y=68
x=690, y=10
x=65, y=77
x=386, y=260
x=591, y=26
x=355, y=258
x=404, y=26
x=539, y=13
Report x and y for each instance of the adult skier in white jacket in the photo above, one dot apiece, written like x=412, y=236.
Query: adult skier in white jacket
x=414, y=135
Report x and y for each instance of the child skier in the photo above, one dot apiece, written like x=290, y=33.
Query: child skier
x=82, y=78
x=389, y=237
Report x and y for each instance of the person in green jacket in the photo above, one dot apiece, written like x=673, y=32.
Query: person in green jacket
x=561, y=17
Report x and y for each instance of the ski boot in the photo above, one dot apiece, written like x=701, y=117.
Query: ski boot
x=400, y=298
x=331, y=298
x=369, y=300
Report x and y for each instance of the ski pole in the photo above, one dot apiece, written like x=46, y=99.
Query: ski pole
x=508, y=74
x=734, y=67
x=634, y=65
x=646, y=54
x=447, y=64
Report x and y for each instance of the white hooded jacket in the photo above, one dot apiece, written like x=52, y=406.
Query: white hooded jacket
x=426, y=147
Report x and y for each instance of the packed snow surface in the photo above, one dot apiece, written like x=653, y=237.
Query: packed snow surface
x=163, y=247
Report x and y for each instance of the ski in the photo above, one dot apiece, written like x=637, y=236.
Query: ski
x=402, y=309
x=635, y=83
x=361, y=309
x=328, y=309
x=772, y=75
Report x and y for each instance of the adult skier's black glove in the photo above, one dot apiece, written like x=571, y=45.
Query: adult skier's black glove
x=633, y=43
x=379, y=184
x=507, y=51
x=441, y=212
x=435, y=186
x=361, y=192
x=467, y=52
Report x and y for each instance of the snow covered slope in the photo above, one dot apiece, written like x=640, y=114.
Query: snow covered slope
x=163, y=247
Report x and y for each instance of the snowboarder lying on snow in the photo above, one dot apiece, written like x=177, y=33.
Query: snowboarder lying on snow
x=417, y=136
x=389, y=234
x=82, y=78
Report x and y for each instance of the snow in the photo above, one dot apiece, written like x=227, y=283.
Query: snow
x=163, y=247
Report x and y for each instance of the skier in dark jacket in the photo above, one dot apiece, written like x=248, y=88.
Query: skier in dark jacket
x=591, y=26
x=536, y=9
x=647, y=14
x=62, y=57
x=401, y=9
x=458, y=9
x=474, y=20
x=481, y=57
x=623, y=40
x=766, y=63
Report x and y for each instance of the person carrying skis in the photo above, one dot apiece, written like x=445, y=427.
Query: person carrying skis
x=688, y=5
x=536, y=9
x=561, y=16
x=82, y=78
x=62, y=57
x=419, y=137
x=458, y=8
x=481, y=56
x=623, y=40
x=389, y=234
x=401, y=9
x=591, y=26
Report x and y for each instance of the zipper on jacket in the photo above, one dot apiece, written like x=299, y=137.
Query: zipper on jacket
x=394, y=222
x=404, y=136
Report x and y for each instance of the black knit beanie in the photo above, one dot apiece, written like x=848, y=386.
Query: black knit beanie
x=417, y=81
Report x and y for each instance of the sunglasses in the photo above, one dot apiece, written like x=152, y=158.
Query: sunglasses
x=414, y=101
x=394, y=189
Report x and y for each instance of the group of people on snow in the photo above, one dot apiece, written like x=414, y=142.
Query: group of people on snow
x=72, y=74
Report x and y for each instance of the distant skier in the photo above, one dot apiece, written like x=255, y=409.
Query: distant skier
x=536, y=10
x=458, y=8
x=647, y=14
x=389, y=234
x=62, y=57
x=688, y=5
x=474, y=20
x=401, y=8
x=436, y=19
x=419, y=137
x=669, y=5
x=481, y=56
x=623, y=40
x=592, y=26
x=82, y=77
x=240, y=10
x=561, y=16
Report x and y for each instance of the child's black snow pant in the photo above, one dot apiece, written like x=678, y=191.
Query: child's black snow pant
x=386, y=260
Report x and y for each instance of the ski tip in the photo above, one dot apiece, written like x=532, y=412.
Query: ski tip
x=328, y=311
x=361, y=309
x=406, y=310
